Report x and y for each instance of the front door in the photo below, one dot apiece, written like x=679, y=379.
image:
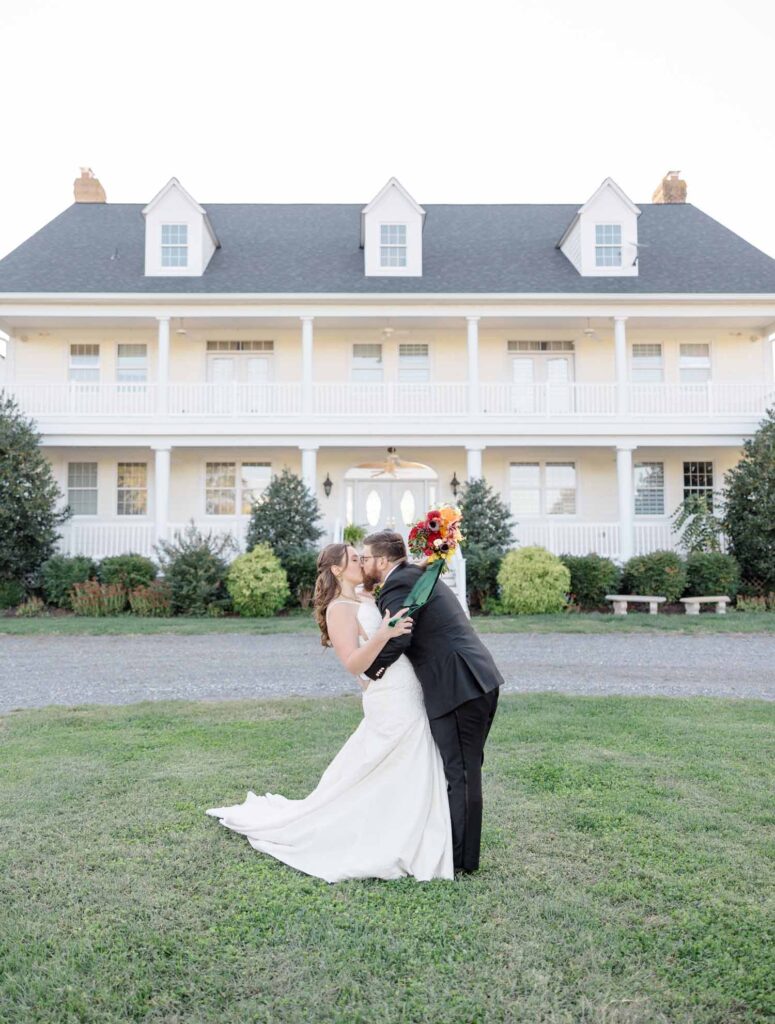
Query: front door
x=391, y=504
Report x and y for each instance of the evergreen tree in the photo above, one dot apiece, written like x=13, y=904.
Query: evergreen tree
x=28, y=497
x=487, y=521
x=285, y=517
x=749, y=516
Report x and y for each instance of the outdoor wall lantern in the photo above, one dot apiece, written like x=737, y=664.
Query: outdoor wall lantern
x=454, y=485
x=328, y=484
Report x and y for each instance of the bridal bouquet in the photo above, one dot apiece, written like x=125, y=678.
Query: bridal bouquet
x=435, y=538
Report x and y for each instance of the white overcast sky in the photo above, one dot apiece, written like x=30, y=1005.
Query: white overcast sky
x=309, y=101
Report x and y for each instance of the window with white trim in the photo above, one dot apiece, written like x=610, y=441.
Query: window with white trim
x=132, y=489
x=240, y=346
x=132, y=364
x=82, y=488
x=649, y=488
x=694, y=363
x=367, y=363
x=542, y=489
x=698, y=480
x=646, y=363
x=608, y=245
x=414, y=365
x=174, y=245
x=230, y=486
x=84, y=365
x=515, y=347
x=392, y=245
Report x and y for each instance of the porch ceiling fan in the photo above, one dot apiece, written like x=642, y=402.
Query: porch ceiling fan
x=589, y=331
x=389, y=331
x=390, y=465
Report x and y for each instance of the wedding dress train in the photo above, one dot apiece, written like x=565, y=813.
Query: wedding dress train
x=380, y=809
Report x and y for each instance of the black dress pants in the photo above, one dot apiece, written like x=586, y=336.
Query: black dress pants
x=460, y=736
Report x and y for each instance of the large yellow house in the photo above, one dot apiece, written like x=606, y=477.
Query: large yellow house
x=595, y=363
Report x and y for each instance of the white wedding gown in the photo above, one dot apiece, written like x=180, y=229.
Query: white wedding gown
x=380, y=809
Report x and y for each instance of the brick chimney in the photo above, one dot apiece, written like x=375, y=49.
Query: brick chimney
x=672, y=189
x=87, y=188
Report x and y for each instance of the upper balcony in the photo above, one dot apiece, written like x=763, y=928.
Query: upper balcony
x=436, y=407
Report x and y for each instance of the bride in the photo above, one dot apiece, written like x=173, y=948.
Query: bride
x=380, y=809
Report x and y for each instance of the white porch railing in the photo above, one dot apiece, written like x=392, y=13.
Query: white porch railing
x=98, y=540
x=518, y=401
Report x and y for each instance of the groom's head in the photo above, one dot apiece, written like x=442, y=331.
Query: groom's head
x=381, y=551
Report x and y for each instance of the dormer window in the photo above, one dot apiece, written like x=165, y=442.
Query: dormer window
x=608, y=245
x=392, y=249
x=174, y=245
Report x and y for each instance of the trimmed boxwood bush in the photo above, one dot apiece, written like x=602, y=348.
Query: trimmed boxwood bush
x=710, y=573
x=60, y=574
x=533, y=582
x=482, y=565
x=257, y=583
x=129, y=570
x=591, y=578
x=659, y=573
x=11, y=593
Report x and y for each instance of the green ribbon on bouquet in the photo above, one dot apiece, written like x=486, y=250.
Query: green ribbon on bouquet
x=422, y=590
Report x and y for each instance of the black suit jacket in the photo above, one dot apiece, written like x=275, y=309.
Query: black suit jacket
x=450, y=660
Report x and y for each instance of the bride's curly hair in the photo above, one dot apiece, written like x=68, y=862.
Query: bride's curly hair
x=327, y=587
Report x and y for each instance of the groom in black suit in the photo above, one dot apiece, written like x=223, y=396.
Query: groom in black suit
x=458, y=676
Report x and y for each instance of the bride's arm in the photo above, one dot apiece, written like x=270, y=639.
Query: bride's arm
x=342, y=622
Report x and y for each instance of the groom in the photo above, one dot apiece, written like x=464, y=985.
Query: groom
x=458, y=676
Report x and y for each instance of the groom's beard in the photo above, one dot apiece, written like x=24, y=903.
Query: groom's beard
x=370, y=581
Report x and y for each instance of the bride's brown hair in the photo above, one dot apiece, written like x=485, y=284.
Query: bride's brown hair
x=327, y=587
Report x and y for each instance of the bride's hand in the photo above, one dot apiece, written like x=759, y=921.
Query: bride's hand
x=401, y=628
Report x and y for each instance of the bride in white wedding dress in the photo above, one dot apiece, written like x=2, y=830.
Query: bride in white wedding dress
x=380, y=809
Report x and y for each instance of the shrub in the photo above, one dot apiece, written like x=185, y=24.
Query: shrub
x=11, y=593
x=31, y=608
x=487, y=520
x=354, y=534
x=697, y=526
x=194, y=566
x=301, y=568
x=257, y=582
x=661, y=573
x=712, y=572
x=153, y=600
x=749, y=496
x=482, y=565
x=60, y=574
x=285, y=517
x=591, y=578
x=756, y=603
x=97, y=599
x=533, y=582
x=29, y=497
x=130, y=571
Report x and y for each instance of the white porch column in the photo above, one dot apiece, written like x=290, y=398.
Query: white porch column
x=626, y=507
x=474, y=404
x=769, y=356
x=306, y=365
x=161, y=483
x=162, y=364
x=620, y=359
x=309, y=467
x=10, y=359
x=474, y=462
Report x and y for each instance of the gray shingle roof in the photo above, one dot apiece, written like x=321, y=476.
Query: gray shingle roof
x=270, y=248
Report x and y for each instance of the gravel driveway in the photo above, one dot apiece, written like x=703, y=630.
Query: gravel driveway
x=36, y=671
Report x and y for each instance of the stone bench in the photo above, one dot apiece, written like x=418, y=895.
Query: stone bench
x=692, y=604
x=620, y=602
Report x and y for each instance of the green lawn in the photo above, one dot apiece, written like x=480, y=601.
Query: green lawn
x=625, y=874
x=302, y=622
